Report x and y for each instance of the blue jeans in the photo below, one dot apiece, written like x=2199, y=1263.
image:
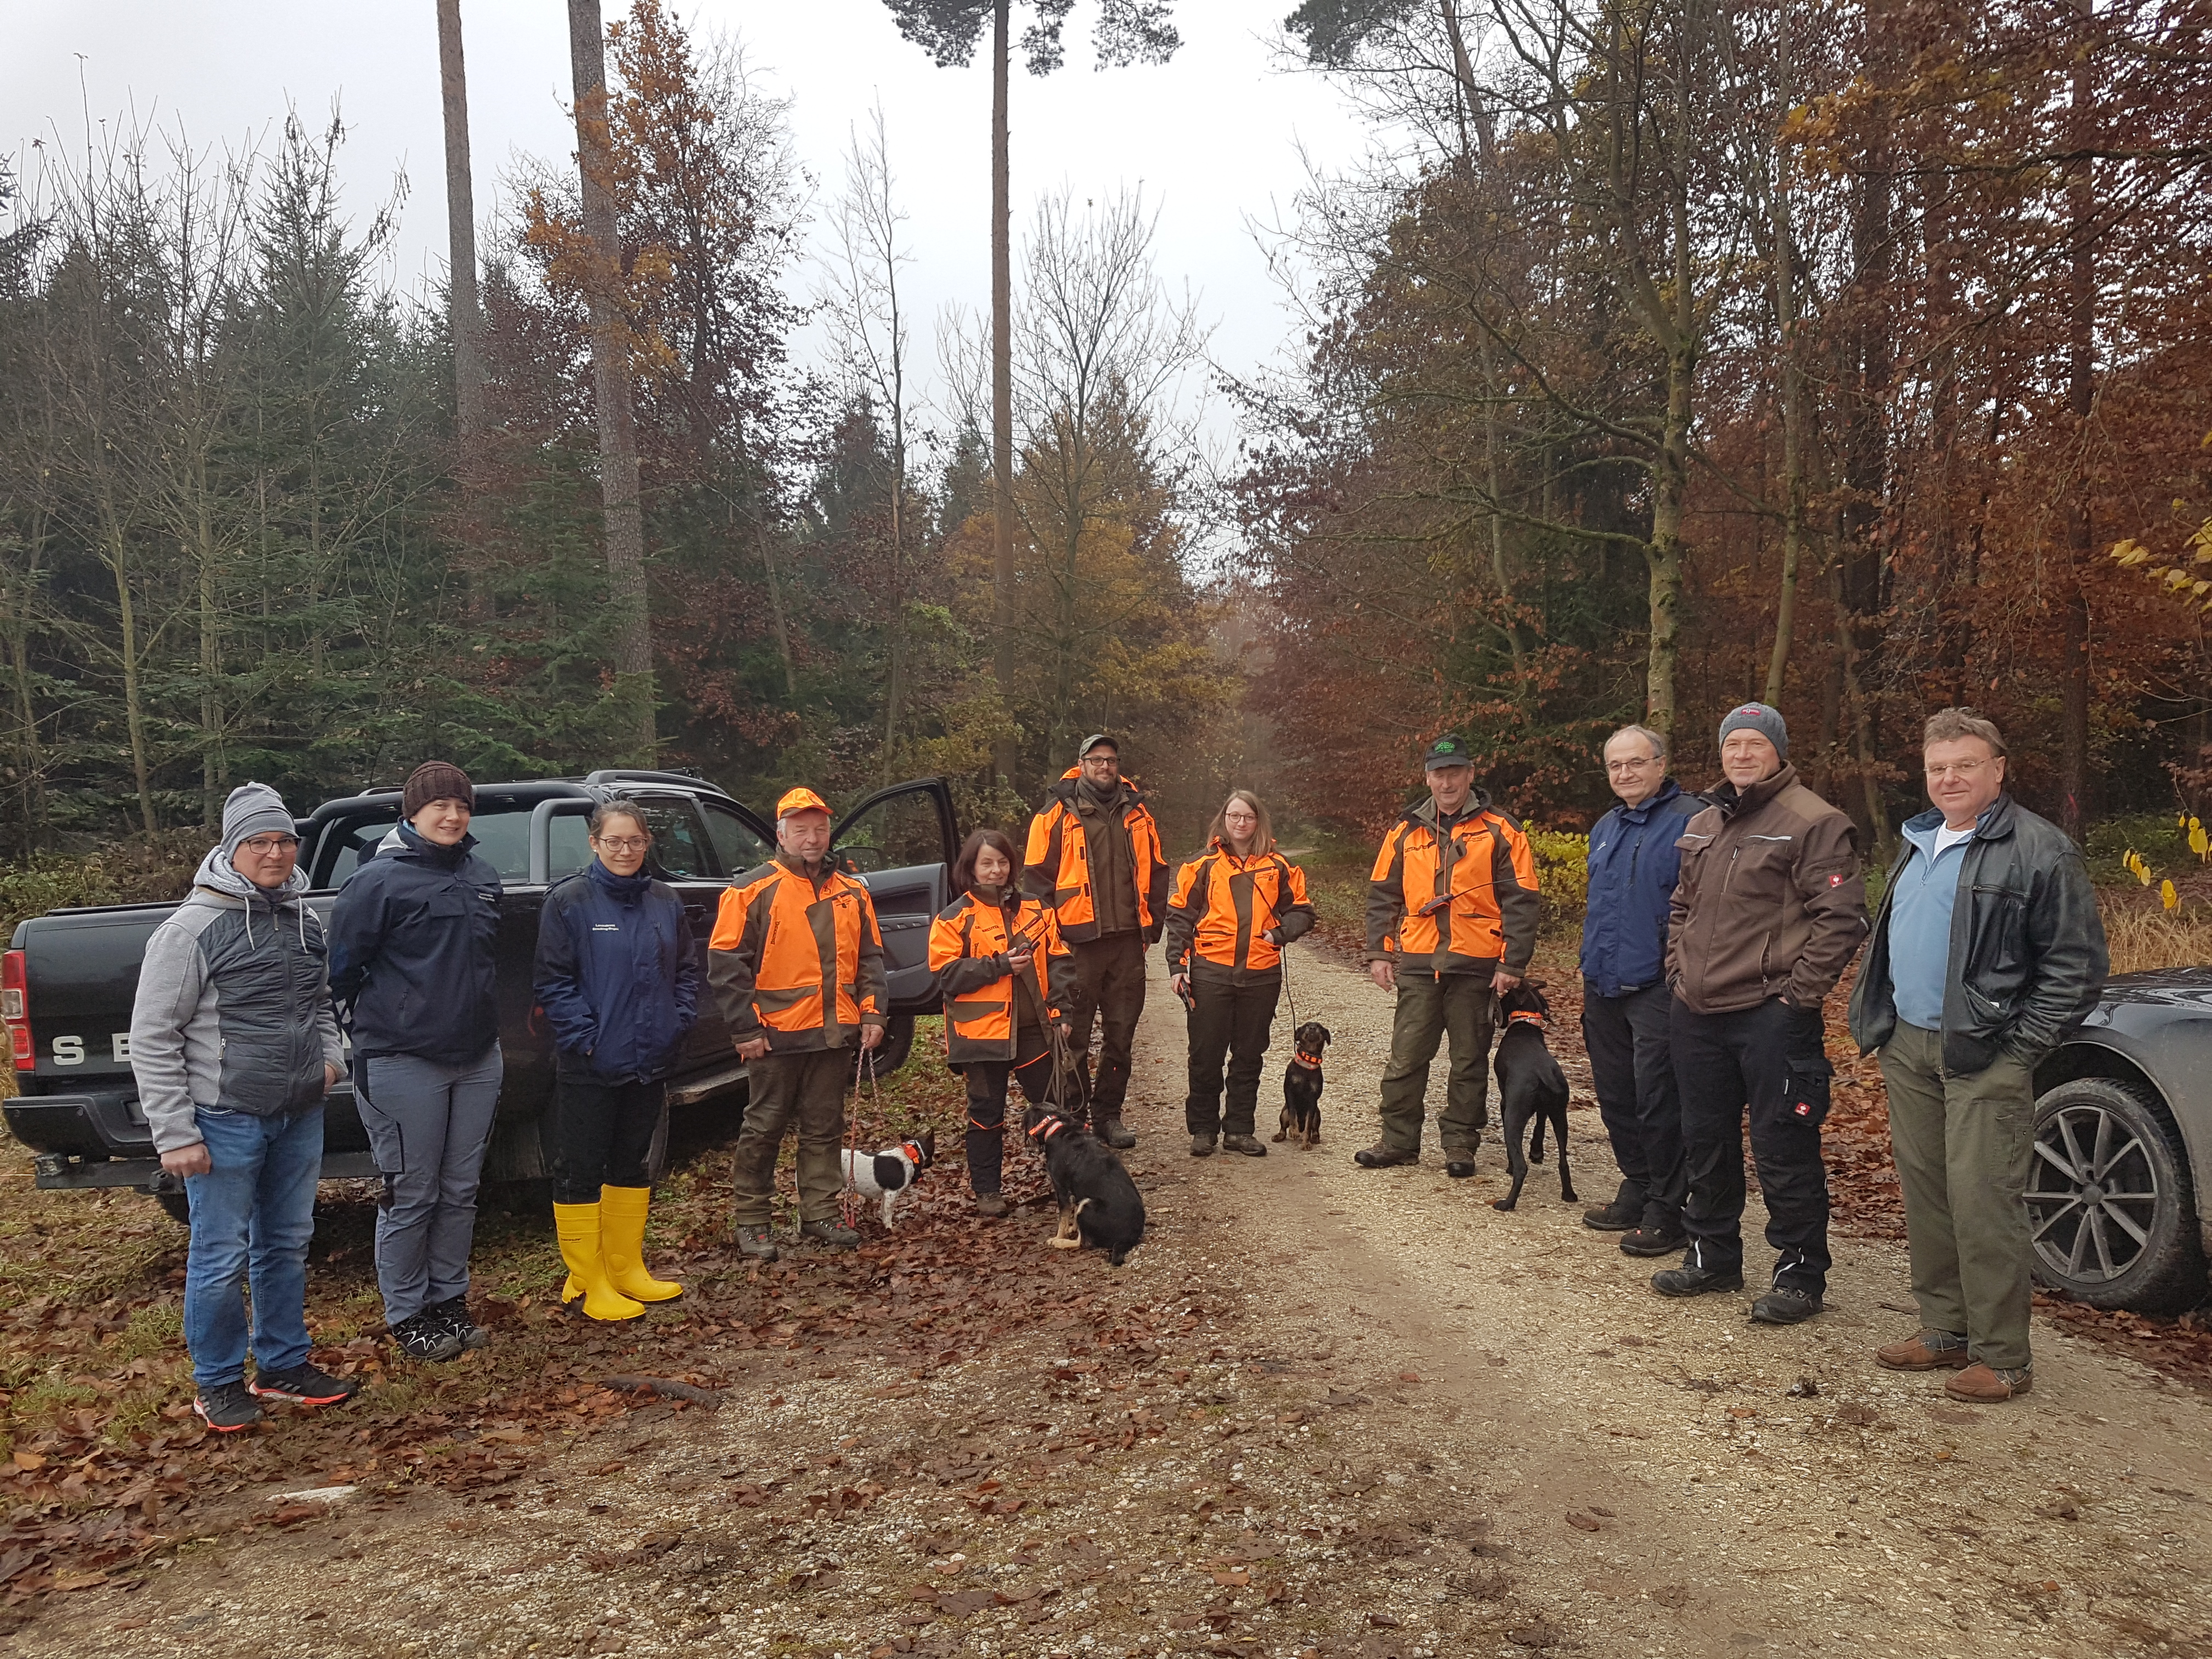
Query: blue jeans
x=253, y=1215
x=429, y=1123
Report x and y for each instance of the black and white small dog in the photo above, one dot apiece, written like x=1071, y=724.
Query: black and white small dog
x=1099, y=1205
x=893, y=1171
x=1531, y=1089
x=1302, y=1083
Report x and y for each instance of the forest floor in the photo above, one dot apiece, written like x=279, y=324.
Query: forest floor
x=1322, y=1411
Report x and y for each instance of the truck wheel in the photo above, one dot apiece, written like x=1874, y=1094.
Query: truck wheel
x=2111, y=1205
x=178, y=1205
x=897, y=1044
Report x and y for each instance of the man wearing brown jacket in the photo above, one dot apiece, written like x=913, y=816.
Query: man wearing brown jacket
x=1770, y=906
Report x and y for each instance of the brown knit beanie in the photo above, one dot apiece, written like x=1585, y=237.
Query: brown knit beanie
x=435, y=780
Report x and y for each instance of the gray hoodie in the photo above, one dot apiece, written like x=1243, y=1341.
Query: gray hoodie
x=233, y=1007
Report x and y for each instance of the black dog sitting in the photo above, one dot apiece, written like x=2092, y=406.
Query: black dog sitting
x=1302, y=1081
x=1099, y=1205
x=1530, y=1089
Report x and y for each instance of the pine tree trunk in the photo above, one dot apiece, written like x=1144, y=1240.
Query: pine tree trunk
x=2081, y=402
x=618, y=486
x=1793, y=391
x=1002, y=392
x=462, y=317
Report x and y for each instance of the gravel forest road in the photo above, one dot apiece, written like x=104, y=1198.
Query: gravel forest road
x=1392, y=1424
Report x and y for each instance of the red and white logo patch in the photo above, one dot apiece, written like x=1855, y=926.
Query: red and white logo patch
x=1835, y=880
x=1804, y=1110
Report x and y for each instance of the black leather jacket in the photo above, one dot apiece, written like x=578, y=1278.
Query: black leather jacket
x=2028, y=946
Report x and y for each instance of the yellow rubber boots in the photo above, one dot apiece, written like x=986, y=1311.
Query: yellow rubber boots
x=622, y=1244
x=581, y=1229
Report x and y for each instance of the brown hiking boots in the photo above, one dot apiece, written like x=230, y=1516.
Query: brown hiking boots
x=1925, y=1351
x=1979, y=1385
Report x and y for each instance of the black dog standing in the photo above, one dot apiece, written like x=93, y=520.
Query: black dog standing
x=1099, y=1205
x=1302, y=1087
x=1531, y=1089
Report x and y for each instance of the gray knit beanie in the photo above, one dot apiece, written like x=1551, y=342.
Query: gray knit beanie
x=254, y=809
x=1762, y=718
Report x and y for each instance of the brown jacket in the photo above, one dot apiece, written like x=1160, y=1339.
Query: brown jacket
x=1771, y=903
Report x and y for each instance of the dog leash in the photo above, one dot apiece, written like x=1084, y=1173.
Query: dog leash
x=848, y=1200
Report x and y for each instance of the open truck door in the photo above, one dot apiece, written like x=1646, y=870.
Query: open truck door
x=901, y=842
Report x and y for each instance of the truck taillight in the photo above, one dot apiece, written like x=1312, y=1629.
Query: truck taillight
x=15, y=1010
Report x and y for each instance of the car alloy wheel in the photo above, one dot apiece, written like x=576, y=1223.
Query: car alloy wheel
x=2110, y=1206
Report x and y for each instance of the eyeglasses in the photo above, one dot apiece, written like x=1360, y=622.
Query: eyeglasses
x=625, y=843
x=1632, y=765
x=270, y=846
x=1958, y=769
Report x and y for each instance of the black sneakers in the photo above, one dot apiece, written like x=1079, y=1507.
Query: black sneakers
x=226, y=1407
x=1784, y=1305
x=426, y=1338
x=1691, y=1279
x=453, y=1314
x=305, y=1385
x=1652, y=1241
x=1382, y=1157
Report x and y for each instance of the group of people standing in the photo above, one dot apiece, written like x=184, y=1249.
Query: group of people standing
x=236, y=1040
x=1714, y=930
x=1716, y=925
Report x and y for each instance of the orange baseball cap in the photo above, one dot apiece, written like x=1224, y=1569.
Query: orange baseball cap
x=799, y=800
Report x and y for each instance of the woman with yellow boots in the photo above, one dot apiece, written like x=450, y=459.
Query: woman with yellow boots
x=618, y=979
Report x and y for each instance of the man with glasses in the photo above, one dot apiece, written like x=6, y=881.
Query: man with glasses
x=1094, y=860
x=234, y=1046
x=1626, y=1007
x=1987, y=946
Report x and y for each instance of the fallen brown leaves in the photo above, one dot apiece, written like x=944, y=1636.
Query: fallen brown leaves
x=103, y=1463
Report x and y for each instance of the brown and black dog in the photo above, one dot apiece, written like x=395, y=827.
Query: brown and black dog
x=1099, y=1205
x=1302, y=1084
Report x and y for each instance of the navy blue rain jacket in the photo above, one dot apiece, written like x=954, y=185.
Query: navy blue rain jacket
x=616, y=974
x=1633, y=866
x=414, y=951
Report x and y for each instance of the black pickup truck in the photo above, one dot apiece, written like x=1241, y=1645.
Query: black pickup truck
x=69, y=976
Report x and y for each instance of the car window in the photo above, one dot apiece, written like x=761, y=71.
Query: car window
x=502, y=842
x=898, y=831
x=679, y=839
x=567, y=844
x=738, y=844
x=338, y=851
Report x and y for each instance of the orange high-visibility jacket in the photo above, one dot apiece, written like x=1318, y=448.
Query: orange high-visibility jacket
x=1223, y=905
x=968, y=947
x=797, y=962
x=1056, y=867
x=1458, y=903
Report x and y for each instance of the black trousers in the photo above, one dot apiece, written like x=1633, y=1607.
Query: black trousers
x=602, y=1135
x=1032, y=1067
x=1109, y=988
x=1729, y=1066
x=1230, y=1022
x=1631, y=1063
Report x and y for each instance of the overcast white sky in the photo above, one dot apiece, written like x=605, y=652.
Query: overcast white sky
x=1214, y=136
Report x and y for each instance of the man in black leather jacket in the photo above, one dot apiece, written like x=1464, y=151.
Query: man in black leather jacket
x=1987, y=947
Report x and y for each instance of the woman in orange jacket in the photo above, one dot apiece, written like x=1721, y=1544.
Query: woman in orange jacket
x=1006, y=978
x=1233, y=908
